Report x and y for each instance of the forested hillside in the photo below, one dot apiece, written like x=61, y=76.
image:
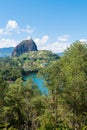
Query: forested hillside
x=12, y=68
x=23, y=107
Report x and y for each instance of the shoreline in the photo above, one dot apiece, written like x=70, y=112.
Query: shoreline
x=30, y=72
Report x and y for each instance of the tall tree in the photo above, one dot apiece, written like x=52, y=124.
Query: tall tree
x=67, y=82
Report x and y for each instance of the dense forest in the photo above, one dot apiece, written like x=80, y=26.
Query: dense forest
x=24, y=107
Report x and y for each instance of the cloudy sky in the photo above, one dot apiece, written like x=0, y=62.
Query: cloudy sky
x=52, y=24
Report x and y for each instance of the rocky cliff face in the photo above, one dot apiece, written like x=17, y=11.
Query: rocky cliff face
x=24, y=47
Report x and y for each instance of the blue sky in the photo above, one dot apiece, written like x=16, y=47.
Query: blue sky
x=52, y=24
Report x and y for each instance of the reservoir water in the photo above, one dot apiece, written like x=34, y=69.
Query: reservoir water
x=38, y=81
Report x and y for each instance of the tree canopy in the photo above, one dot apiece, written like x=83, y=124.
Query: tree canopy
x=23, y=107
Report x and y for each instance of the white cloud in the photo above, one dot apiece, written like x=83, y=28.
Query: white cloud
x=28, y=29
x=1, y=31
x=83, y=40
x=4, y=32
x=12, y=25
x=41, y=41
x=63, y=38
x=57, y=46
x=54, y=47
x=8, y=43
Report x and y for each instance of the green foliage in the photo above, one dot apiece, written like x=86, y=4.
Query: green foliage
x=23, y=104
x=67, y=83
x=23, y=107
x=15, y=67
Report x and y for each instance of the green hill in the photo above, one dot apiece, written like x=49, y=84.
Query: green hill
x=35, y=60
x=13, y=67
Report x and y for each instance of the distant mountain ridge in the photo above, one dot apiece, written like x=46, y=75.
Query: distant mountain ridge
x=60, y=54
x=5, y=52
x=23, y=47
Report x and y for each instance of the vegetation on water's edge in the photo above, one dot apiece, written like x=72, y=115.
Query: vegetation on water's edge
x=12, y=68
x=64, y=108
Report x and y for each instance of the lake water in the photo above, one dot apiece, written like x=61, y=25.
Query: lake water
x=38, y=81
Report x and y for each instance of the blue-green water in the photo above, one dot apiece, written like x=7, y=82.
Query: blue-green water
x=38, y=81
